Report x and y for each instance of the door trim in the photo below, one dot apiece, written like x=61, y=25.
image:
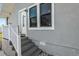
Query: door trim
x=21, y=10
x=19, y=21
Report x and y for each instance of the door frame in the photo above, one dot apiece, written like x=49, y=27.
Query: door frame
x=19, y=21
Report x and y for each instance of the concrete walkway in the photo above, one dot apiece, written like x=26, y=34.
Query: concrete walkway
x=2, y=53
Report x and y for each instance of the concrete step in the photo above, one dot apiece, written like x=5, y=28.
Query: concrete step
x=30, y=51
x=26, y=47
x=37, y=52
x=25, y=42
x=43, y=54
x=22, y=35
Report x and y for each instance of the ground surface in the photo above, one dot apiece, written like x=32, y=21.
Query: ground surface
x=2, y=53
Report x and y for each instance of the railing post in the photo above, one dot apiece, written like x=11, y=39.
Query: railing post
x=9, y=32
x=2, y=30
x=2, y=35
x=19, y=45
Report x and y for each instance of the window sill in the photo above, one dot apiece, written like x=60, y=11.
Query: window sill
x=42, y=28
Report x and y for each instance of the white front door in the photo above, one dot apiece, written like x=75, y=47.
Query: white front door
x=23, y=22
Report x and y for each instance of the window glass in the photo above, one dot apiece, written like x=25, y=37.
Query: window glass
x=33, y=11
x=45, y=15
x=33, y=22
x=45, y=8
x=45, y=20
x=33, y=16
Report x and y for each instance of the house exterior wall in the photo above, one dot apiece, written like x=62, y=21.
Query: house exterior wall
x=64, y=39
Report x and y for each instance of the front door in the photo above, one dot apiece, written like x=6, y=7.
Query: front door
x=23, y=22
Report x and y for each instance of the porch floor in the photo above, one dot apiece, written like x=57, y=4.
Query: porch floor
x=2, y=53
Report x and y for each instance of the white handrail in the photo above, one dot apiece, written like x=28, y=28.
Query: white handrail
x=5, y=32
x=18, y=49
x=13, y=36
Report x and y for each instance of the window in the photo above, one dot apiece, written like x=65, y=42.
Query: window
x=33, y=16
x=45, y=15
x=41, y=16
